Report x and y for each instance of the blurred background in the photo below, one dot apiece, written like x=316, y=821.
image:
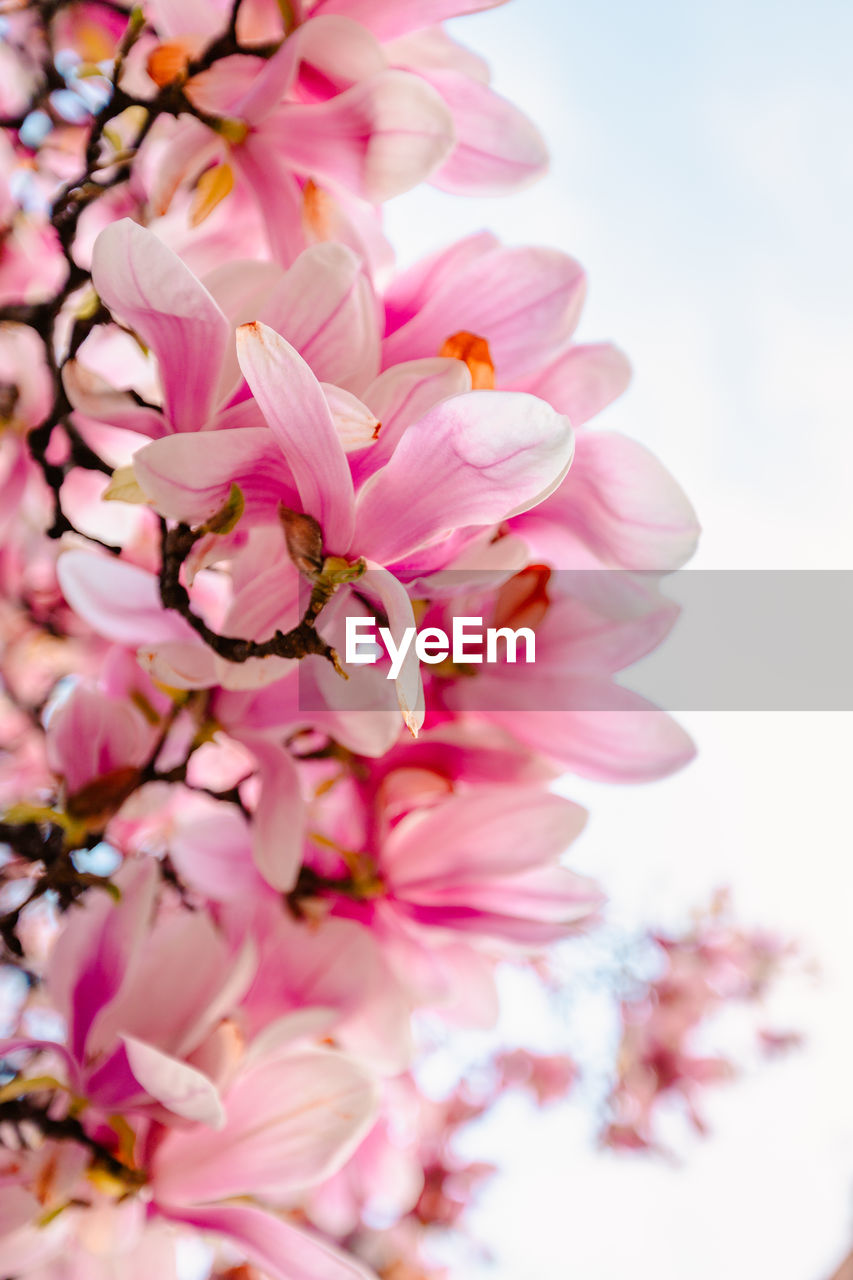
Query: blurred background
x=702, y=171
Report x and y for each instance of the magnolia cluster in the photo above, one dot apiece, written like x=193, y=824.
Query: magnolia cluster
x=246, y=882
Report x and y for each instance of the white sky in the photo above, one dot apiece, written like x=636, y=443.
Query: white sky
x=702, y=172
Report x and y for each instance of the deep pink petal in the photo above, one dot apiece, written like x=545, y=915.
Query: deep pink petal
x=524, y=302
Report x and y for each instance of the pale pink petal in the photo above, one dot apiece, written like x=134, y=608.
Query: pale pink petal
x=190, y=148
x=404, y=393
x=210, y=848
x=179, y=1087
x=119, y=600
x=283, y=1252
x=356, y=425
x=582, y=381
x=325, y=308
x=376, y=140
x=189, y=477
x=497, y=148
x=185, y=17
x=390, y=18
x=432, y=49
x=472, y=460
x=181, y=664
x=625, y=505
x=90, y=735
x=278, y=194
x=278, y=823
x=292, y=1119
x=149, y=287
x=293, y=404
x=485, y=834
x=627, y=740
x=92, y=396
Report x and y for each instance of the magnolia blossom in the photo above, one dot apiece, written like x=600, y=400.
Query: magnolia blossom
x=247, y=885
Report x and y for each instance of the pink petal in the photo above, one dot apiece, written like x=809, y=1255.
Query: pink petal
x=189, y=477
x=190, y=148
x=210, y=847
x=278, y=823
x=485, y=834
x=90, y=735
x=293, y=404
x=497, y=148
x=292, y=1119
x=582, y=381
x=325, y=308
x=149, y=287
x=524, y=302
x=283, y=1252
x=179, y=1087
x=184, y=17
x=118, y=600
x=390, y=18
x=342, y=51
x=267, y=173
x=625, y=505
x=628, y=740
x=97, y=948
x=376, y=140
x=472, y=460
x=404, y=393
x=93, y=397
x=409, y=291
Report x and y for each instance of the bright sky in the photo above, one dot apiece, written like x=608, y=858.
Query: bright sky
x=702, y=172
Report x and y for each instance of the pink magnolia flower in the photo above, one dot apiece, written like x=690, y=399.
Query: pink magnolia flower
x=467, y=446
x=124, y=1051
x=567, y=705
x=97, y=746
x=323, y=305
x=366, y=99
x=328, y=106
x=482, y=864
x=512, y=313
